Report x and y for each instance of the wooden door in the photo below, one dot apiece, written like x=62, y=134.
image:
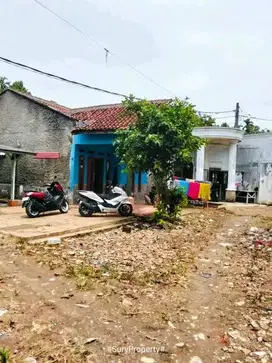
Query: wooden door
x=95, y=175
x=98, y=175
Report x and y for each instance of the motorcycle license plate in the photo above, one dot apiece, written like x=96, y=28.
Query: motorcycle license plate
x=25, y=199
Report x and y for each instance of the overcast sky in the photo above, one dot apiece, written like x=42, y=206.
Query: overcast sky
x=216, y=52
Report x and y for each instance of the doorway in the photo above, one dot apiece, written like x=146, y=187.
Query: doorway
x=95, y=175
x=220, y=178
x=81, y=173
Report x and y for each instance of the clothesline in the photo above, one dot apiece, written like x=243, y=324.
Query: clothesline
x=193, y=189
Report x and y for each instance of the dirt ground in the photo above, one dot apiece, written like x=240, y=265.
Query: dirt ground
x=14, y=222
x=201, y=292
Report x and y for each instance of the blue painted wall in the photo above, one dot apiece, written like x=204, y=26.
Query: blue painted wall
x=144, y=178
x=97, y=146
x=93, y=139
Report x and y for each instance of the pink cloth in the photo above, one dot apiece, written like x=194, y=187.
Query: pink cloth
x=193, y=190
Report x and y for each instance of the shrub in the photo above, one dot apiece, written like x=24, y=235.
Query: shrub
x=168, y=212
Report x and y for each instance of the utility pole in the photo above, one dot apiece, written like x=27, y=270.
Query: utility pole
x=236, y=124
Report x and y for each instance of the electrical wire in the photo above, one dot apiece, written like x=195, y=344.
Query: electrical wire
x=75, y=83
x=248, y=115
x=223, y=117
x=216, y=112
x=108, y=51
x=51, y=75
x=260, y=118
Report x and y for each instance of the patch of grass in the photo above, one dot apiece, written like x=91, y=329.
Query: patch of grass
x=83, y=283
x=263, y=222
x=162, y=276
x=86, y=274
x=180, y=269
x=4, y=355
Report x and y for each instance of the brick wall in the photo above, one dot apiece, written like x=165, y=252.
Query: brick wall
x=36, y=128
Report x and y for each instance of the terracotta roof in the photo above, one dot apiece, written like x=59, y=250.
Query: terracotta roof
x=51, y=104
x=105, y=117
x=94, y=118
x=108, y=118
x=54, y=105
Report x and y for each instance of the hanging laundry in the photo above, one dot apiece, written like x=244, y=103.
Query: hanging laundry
x=204, y=191
x=184, y=185
x=193, y=190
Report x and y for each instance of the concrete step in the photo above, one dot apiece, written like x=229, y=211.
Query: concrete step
x=103, y=227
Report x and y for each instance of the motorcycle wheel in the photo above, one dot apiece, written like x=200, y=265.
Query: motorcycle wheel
x=85, y=211
x=64, y=206
x=125, y=210
x=31, y=211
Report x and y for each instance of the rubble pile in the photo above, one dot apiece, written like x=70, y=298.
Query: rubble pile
x=251, y=332
x=139, y=253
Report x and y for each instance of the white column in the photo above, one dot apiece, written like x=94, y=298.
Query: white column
x=13, y=177
x=200, y=157
x=232, y=167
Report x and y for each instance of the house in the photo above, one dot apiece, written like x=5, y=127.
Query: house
x=216, y=162
x=241, y=164
x=254, y=164
x=33, y=124
x=84, y=139
x=225, y=159
x=93, y=161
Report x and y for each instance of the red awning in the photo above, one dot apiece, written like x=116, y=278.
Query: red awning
x=47, y=155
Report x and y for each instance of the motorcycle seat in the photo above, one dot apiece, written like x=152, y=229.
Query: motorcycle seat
x=109, y=196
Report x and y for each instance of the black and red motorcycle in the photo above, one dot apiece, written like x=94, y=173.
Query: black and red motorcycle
x=54, y=198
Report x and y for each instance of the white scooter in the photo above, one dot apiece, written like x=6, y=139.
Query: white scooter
x=115, y=202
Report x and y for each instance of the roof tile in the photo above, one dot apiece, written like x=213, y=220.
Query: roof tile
x=109, y=118
x=105, y=117
x=52, y=104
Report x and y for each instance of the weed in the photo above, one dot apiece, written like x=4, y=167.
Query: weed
x=180, y=269
x=4, y=355
x=86, y=274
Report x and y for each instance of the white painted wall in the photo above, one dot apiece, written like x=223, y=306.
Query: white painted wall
x=217, y=156
x=254, y=159
x=265, y=190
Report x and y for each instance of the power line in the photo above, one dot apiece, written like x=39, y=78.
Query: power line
x=105, y=49
x=63, y=79
x=248, y=115
x=51, y=75
x=216, y=112
x=260, y=118
x=256, y=118
x=223, y=117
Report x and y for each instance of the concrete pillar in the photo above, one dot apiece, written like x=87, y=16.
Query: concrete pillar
x=13, y=177
x=200, y=157
x=231, y=189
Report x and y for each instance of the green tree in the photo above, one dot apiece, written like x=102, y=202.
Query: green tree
x=159, y=141
x=250, y=128
x=205, y=120
x=4, y=84
x=224, y=124
x=18, y=86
